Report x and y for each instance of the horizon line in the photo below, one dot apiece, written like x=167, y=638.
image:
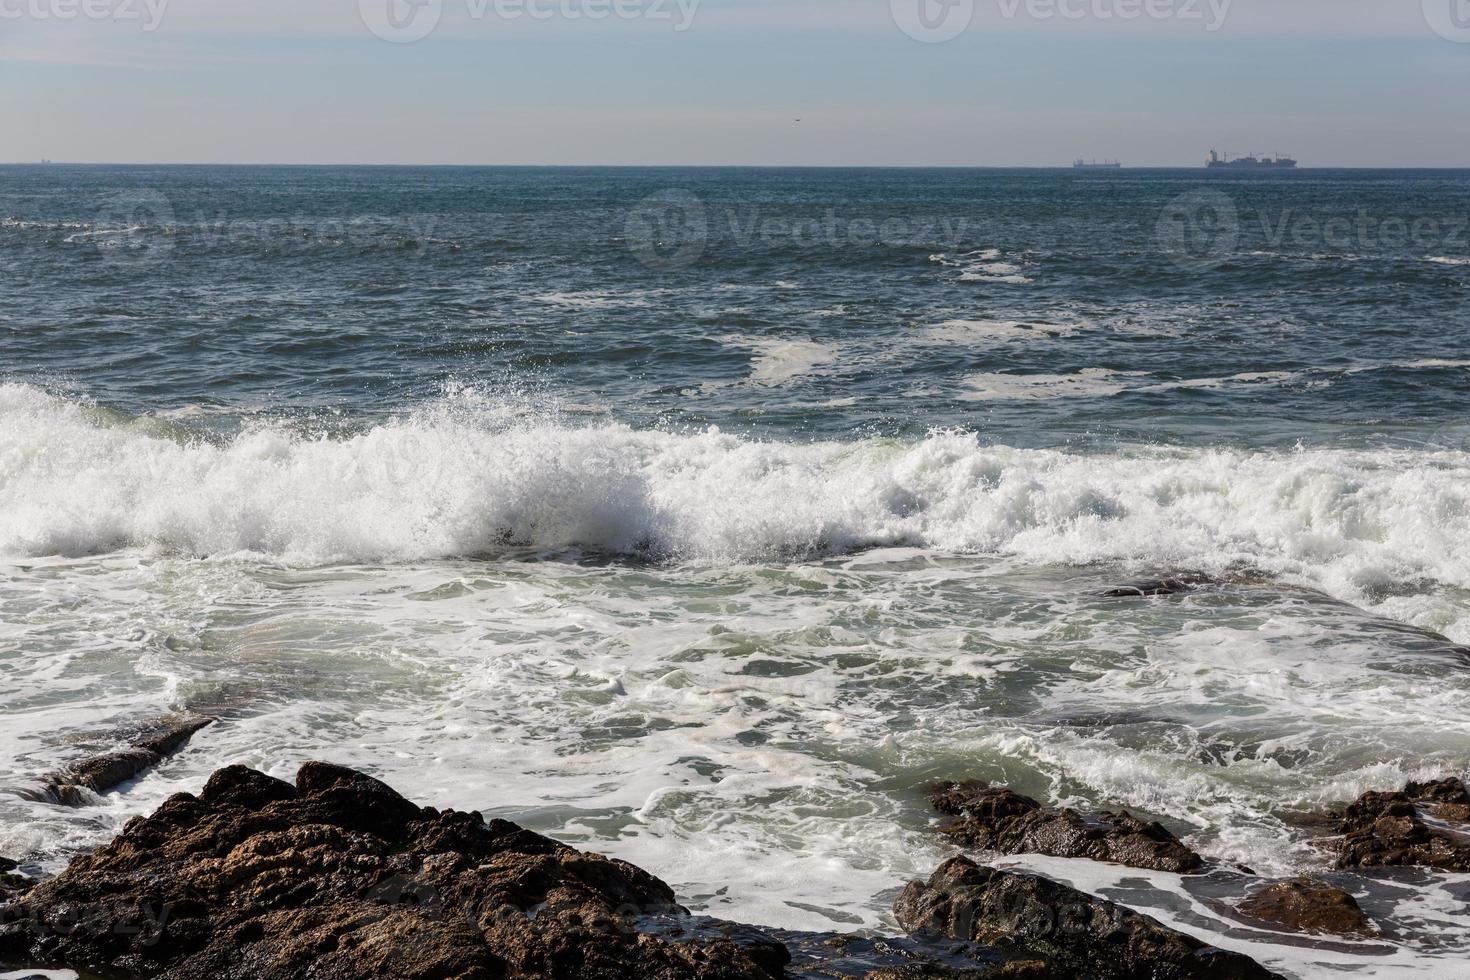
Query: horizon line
x=698, y=166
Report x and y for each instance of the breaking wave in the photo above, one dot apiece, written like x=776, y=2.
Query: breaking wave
x=1381, y=528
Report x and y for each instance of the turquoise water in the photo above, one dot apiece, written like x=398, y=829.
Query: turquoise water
x=700, y=516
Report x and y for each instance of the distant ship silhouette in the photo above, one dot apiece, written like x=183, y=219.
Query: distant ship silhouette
x=1249, y=162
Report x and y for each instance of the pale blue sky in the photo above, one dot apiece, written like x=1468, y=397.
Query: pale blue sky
x=1334, y=82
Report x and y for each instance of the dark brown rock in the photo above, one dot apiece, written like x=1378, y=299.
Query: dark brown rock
x=1078, y=936
x=994, y=819
x=341, y=877
x=151, y=744
x=824, y=956
x=1307, y=905
x=1441, y=791
x=165, y=736
x=1447, y=799
x=1388, y=830
x=338, y=877
x=12, y=884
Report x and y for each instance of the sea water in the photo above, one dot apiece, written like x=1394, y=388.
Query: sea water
x=701, y=517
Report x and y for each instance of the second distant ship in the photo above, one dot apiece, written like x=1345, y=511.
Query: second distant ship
x=1081, y=164
x=1252, y=162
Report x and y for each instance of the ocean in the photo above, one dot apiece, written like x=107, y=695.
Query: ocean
x=700, y=517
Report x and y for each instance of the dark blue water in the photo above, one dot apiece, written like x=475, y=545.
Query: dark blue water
x=1131, y=304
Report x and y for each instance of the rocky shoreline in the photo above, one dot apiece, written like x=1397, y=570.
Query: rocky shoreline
x=339, y=876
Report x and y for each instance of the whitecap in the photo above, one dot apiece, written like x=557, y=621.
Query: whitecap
x=1087, y=383
x=466, y=476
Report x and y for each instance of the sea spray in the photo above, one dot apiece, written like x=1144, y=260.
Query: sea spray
x=466, y=477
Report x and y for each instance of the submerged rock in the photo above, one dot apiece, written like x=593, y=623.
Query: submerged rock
x=1078, y=936
x=1308, y=905
x=150, y=745
x=1172, y=585
x=995, y=819
x=1389, y=830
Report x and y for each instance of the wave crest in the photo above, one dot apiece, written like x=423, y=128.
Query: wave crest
x=1376, y=527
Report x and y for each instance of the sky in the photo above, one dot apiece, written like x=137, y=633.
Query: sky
x=735, y=82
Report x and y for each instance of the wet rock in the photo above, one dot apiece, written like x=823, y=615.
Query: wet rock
x=1308, y=905
x=337, y=876
x=165, y=736
x=1172, y=585
x=1418, y=639
x=1389, y=830
x=1112, y=719
x=1447, y=799
x=1078, y=936
x=994, y=819
x=12, y=884
x=152, y=743
x=824, y=956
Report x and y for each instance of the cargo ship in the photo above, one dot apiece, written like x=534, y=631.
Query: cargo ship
x=1080, y=164
x=1250, y=162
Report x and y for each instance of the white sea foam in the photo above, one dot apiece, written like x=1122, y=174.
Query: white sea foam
x=777, y=362
x=1447, y=260
x=1089, y=382
x=1102, y=383
x=593, y=300
x=1258, y=378
x=969, y=331
x=982, y=265
x=465, y=477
